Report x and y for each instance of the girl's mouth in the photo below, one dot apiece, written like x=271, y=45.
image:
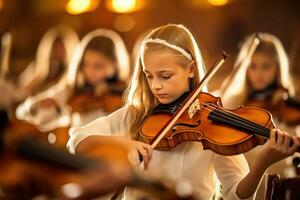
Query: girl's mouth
x=161, y=95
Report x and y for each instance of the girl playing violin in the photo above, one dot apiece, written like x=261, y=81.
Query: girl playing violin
x=102, y=68
x=261, y=78
x=100, y=62
x=169, y=66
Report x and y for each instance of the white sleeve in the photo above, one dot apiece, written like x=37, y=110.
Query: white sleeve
x=58, y=92
x=113, y=124
x=216, y=93
x=230, y=171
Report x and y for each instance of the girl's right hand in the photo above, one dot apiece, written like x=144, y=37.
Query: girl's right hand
x=144, y=150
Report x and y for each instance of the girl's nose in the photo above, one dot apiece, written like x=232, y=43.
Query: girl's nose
x=156, y=85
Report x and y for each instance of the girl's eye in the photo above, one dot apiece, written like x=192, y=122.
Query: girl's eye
x=266, y=66
x=252, y=66
x=148, y=76
x=98, y=66
x=166, y=77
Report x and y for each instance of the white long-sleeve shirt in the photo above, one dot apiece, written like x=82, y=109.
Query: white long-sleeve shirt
x=187, y=162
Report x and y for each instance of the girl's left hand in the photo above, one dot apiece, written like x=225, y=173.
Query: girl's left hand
x=280, y=145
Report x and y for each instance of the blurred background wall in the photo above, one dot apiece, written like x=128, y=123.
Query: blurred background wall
x=217, y=24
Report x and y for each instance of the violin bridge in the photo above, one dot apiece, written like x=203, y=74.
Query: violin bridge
x=194, y=107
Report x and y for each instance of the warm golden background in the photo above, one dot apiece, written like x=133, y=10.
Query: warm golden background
x=217, y=24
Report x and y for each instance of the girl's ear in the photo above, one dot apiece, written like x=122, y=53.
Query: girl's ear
x=192, y=68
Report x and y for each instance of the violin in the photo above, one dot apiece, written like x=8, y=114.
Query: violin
x=57, y=137
x=108, y=99
x=31, y=167
x=202, y=118
x=279, y=103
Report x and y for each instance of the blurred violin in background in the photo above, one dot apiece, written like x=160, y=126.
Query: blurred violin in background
x=89, y=99
x=107, y=97
x=279, y=103
x=32, y=167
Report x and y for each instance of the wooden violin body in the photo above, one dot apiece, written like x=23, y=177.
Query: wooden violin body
x=57, y=137
x=108, y=99
x=31, y=167
x=226, y=132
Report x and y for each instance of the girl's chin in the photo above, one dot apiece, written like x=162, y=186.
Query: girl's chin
x=259, y=87
x=165, y=101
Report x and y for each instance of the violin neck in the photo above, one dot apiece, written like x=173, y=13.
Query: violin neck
x=31, y=148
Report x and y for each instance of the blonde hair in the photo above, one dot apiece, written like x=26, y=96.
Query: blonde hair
x=138, y=95
x=6, y=43
x=235, y=88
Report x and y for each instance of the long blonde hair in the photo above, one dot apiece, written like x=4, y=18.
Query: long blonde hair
x=138, y=96
x=235, y=88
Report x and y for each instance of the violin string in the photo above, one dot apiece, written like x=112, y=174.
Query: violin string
x=236, y=120
x=208, y=106
x=233, y=115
